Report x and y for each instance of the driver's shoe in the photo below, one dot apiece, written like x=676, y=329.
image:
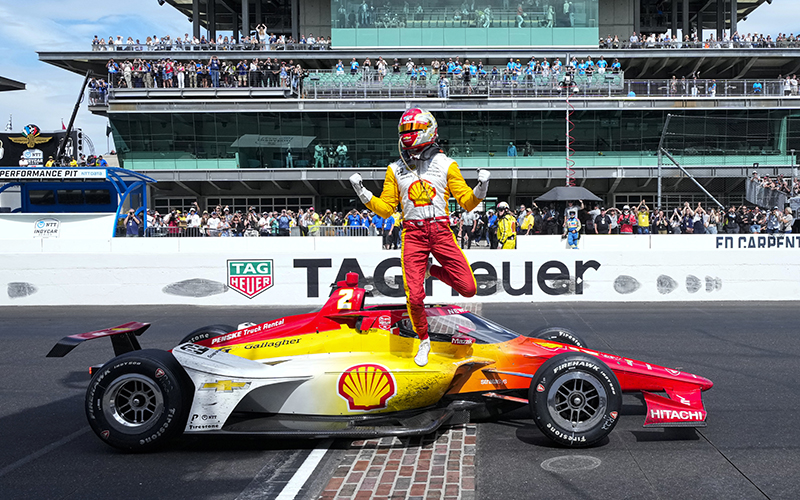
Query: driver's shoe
x=421, y=358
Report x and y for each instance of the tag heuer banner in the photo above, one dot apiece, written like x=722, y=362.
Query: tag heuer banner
x=250, y=277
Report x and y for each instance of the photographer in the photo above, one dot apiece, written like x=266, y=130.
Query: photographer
x=132, y=225
x=626, y=221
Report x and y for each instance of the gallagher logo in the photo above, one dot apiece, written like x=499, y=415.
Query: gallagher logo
x=250, y=277
x=366, y=387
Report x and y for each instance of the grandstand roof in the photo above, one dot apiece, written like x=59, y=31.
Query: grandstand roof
x=9, y=84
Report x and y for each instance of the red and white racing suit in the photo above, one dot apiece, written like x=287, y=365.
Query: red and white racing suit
x=423, y=190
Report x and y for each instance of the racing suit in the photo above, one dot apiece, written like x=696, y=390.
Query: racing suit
x=506, y=232
x=423, y=189
x=572, y=226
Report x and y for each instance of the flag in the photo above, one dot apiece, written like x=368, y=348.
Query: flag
x=63, y=127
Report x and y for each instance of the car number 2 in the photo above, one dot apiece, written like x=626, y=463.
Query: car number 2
x=345, y=296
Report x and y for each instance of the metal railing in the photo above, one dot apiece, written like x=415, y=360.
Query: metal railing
x=202, y=232
x=724, y=44
x=206, y=46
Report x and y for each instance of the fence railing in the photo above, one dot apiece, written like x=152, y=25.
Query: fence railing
x=758, y=44
x=189, y=47
x=203, y=232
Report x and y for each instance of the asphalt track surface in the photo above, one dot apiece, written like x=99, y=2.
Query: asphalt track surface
x=750, y=449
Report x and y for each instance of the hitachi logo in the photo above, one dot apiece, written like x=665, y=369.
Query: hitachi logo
x=676, y=415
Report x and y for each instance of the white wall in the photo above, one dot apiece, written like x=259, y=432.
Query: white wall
x=194, y=270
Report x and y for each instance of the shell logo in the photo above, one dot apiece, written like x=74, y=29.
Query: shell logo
x=421, y=193
x=366, y=387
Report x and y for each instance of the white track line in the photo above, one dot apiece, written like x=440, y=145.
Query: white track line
x=47, y=449
x=300, y=477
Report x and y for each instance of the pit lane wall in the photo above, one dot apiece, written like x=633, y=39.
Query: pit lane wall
x=298, y=271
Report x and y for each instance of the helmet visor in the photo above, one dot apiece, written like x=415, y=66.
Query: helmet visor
x=405, y=128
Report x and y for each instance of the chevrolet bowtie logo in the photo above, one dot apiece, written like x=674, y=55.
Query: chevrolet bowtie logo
x=224, y=386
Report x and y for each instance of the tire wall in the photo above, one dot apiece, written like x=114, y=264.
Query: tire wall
x=215, y=271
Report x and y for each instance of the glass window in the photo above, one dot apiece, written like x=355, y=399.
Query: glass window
x=42, y=197
x=70, y=197
x=97, y=196
x=441, y=328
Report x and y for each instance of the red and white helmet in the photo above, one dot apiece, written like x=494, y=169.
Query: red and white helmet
x=418, y=129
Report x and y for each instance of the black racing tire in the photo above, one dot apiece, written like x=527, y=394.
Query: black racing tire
x=139, y=400
x=559, y=334
x=207, y=332
x=575, y=399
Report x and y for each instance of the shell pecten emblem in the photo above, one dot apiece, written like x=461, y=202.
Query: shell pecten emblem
x=366, y=387
x=421, y=193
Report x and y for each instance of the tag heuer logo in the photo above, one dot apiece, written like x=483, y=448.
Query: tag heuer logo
x=250, y=277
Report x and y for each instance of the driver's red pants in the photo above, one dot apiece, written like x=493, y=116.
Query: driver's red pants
x=422, y=238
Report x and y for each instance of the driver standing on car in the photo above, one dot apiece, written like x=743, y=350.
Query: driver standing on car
x=422, y=181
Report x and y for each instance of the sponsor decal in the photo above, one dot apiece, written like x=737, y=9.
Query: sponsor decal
x=224, y=386
x=540, y=388
x=366, y=387
x=786, y=241
x=462, y=340
x=46, y=228
x=673, y=371
x=198, y=416
x=685, y=415
x=250, y=277
x=195, y=349
x=613, y=415
x=160, y=373
x=244, y=332
x=421, y=193
x=385, y=322
x=11, y=173
x=493, y=382
x=104, y=434
x=550, y=346
x=273, y=343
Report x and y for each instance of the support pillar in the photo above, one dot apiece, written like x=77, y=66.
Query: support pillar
x=296, y=20
x=674, y=20
x=637, y=17
x=720, y=24
x=687, y=30
x=259, y=16
x=246, y=18
x=196, y=18
x=734, y=17
x=212, y=19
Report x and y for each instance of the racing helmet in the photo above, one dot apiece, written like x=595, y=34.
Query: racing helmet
x=502, y=206
x=417, y=129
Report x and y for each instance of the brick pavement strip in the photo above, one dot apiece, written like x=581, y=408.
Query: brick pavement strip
x=436, y=467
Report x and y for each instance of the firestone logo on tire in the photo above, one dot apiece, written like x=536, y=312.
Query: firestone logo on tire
x=250, y=277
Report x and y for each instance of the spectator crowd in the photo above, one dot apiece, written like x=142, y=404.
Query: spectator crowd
x=258, y=39
x=694, y=41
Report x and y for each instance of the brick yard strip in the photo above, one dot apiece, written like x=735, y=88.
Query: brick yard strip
x=440, y=466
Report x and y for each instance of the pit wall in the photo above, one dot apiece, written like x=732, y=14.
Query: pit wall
x=299, y=271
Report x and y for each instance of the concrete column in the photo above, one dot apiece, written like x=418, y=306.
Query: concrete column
x=296, y=20
x=685, y=24
x=259, y=16
x=196, y=18
x=212, y=19
x=637, y=15
x=246, y=18
x=720, y=18
x=674, y=21
x=734, y=17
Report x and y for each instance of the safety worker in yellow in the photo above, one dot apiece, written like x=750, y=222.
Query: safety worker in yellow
x=506, y=227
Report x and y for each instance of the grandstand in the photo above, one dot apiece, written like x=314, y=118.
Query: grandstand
x=230, y=145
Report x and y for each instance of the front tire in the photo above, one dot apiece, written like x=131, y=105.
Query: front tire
x=575, y=399
x=559, y=334
x=207, y=332
x=139, y=400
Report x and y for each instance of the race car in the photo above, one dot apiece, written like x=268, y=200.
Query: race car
x=348, y=371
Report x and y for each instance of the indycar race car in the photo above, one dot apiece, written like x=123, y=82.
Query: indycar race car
x=348, y=371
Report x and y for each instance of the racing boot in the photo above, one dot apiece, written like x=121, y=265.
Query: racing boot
x=421, y=358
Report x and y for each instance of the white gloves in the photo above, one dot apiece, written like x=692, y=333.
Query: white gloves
x=482, y=189
x=364, y=194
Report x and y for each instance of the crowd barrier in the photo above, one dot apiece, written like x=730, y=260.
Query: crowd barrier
x=299, y=271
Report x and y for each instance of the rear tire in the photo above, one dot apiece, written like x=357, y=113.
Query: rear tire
x=139, y=400
x=559, y=334
x=207, y=332
x=575, y=399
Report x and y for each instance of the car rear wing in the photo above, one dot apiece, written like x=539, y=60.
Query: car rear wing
x=123, y=339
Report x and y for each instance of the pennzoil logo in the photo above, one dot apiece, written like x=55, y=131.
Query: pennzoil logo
x=421, y=193
x=250, y=277
x=366, y=387
x=224, y=386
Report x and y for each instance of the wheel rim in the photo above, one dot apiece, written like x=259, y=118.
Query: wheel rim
x=133, y=403
x=576, y=401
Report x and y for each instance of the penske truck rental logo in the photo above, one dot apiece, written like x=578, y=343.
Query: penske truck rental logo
x=250, y=277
